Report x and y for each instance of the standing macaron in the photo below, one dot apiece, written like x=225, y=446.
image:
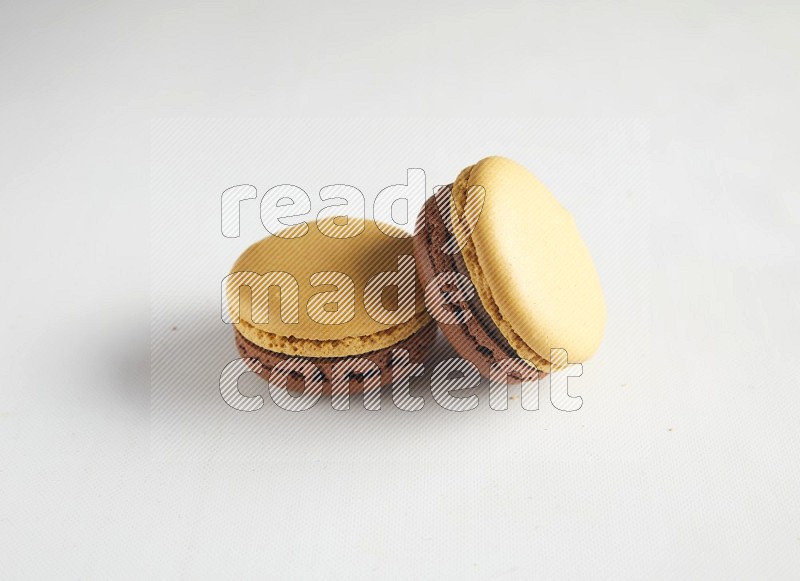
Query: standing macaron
x=535, y=291
x=340, y=297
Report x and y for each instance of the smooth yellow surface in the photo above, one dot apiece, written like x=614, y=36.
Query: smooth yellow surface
x=530, y=267
x=360, y=258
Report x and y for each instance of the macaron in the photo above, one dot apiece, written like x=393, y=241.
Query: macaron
x=533, y=292
x=337, y=290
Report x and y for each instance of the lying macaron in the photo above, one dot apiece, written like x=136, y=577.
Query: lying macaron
x=536, y=294
x=341, y=294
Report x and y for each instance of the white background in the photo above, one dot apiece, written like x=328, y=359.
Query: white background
x=683, y=462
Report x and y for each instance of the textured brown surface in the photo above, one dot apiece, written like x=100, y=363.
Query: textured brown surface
x=478, y=339
x=417, y=346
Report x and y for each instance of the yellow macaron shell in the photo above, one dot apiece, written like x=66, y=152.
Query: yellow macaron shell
x=359, y=257
x=531, y=269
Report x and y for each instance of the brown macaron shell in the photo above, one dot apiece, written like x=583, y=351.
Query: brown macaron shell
x=417, y=346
